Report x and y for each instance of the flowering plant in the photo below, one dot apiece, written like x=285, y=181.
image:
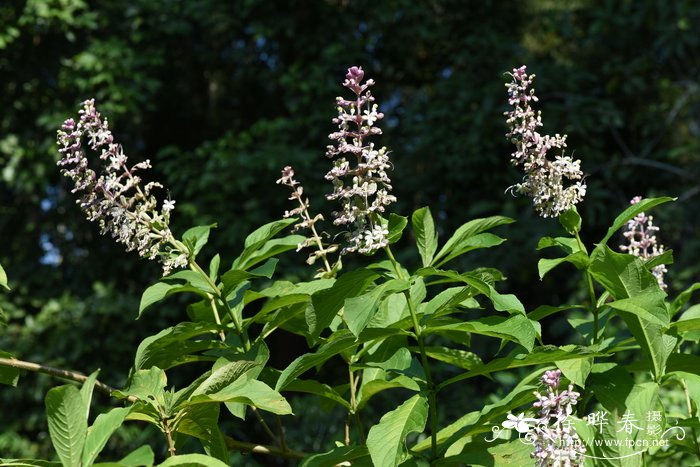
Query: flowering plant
x=388, y=327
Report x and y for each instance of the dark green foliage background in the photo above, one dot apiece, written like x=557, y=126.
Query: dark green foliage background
x=221, y=95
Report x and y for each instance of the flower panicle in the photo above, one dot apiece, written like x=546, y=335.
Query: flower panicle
x=544, y=179
x=555, y=440
x=640, y=233
x=359, y=175
x=116, y=197
x=308, y=222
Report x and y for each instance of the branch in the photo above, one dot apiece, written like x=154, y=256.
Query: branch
x=59, y=373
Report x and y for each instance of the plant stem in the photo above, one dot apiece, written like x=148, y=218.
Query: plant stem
x=689, y=404
x=242, y=446
x=59, y=373
x=591, y=294
x=353, y=405
x=432, y=389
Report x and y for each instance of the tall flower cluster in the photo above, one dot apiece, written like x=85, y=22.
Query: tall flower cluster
x=115, y=198
x=556, y=442
x=641, y=235
x=359, y=174
x=308, y=222
x=544, y=179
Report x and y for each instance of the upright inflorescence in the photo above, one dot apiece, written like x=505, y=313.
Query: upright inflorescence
x=308, y=222
x=556, y=442
x=544, y=179
x=641, y=235
x=115, y=198
x=361, y=184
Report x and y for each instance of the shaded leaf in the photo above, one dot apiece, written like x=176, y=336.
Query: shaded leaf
x=67, y=422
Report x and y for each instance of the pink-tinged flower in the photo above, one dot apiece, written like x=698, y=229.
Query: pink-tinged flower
x=555, y=185
x=115, y=197
x=641, y=235
x=359, y=174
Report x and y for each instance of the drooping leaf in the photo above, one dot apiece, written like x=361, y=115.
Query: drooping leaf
x=140, y=457
x=395, y=226
x=100, y=432
x=192, y=460
x=629, y=213
x=516, y=328
x=144, y=384
x=579, y=259
x=178, y=344
x=426, y=234
x=67, y=422
x=386, y=440
x=328, y=302
x=223, y=376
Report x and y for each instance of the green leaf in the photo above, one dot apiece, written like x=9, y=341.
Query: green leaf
x=629, y=213
x=193, y=460
x=359, y=310
x=455, y=357
x=686, y=325
x=480, y=452
x=28, y=463
x=579, y=259
x=395, y=227
x=8, y=375
x=223, y=376
x=256, y=240
x=570, y=220
x=176, y=345
x=196, y=237
x=145, y=384
x=3, y=279
x=516, y=328
x=386, y=440
x=576, y=370
x=202, y=422
x=546, y=354
x=193, y=279
x=86, y=391
x=461, y=236
x=682, y=299
x=233, y=277
x=328, y=302
x=141, y=457
x=67, y=422
x=310, y=386
x=250, y=392
x=99, y=433
x=160, y=290
x=426, y=234
x=567, y=244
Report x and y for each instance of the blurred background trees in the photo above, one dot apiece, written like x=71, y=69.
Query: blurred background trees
x=221, y=95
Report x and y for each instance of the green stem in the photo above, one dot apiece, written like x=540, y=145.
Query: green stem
x=353, y=405
x=432, y=389
x=689, y=404
x=591, y=293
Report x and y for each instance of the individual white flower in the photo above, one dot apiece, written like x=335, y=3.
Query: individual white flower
x=520, y=423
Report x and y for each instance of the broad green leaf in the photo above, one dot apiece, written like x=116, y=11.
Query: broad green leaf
x=543, y=311
x=516, y=328
x=547, y=354
x=465, y=232
x=196, y=237
x=223, y=376
x=86, y=391
x=456, y=357
x=99, y=433
x=193, y=279
x=570, y=220
x=3, y=279
x=160, y=290
x=426, y=234
x=579, y=260
x=576, y=370
x=448, y=298
x=140, y=457
x=67, y=422
x=360, y=310
x=684, y=362
x=375, y=386
x=202, y=422
x=499, y=452
x=250, y=392
x=8, y=375
x=686, y=325
x=629, y=213
x=145, y=384
x=214, y=267
x=257, y=239
x=476, y=242
x=193, y=460
x=386, y=440
x=310, y=386
x=395, y=226
x=337, y=456
x=328, y=302
x=272, y=248
x=567, y=244
x=176, y=345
